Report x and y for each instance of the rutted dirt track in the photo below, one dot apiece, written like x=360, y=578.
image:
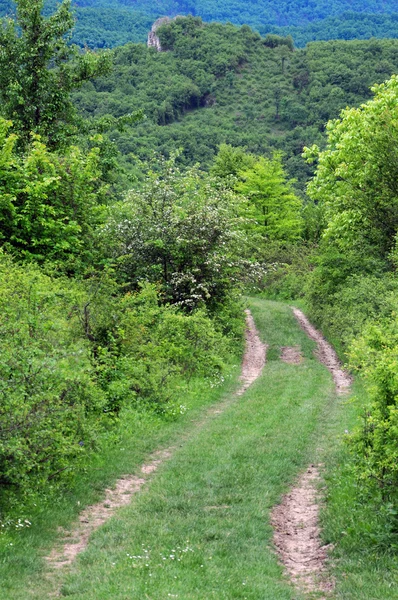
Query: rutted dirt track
x=296, y=519
x=325, y=353
x=94, y=516
x=297, y=535
x=254, y=357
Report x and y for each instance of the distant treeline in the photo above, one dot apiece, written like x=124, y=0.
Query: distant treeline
x=110, y=23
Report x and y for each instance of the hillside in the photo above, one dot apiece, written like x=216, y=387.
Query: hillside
x=109, y=23
x=220, y=83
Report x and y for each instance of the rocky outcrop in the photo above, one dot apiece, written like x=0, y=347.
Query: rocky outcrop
x=153, y=40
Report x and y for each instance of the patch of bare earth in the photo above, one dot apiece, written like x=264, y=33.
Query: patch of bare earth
x=96, y=515
x=291, y=355
x=297, y=535
x=325, y=353
x=296, y=520
x=254, y=357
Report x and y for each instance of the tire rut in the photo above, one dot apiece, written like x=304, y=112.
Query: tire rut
x=92, y=517
x=297, y=533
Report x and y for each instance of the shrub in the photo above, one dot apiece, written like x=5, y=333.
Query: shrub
x=375, y=442
x=49, y=403
x=180, y=231
x=146, y=351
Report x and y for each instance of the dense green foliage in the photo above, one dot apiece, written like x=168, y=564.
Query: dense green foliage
x=90, y=329
x=353, y=289
x=347, y=26
x=218, y=83
x=74, y=357
x=109, y=23
x=49, y=404
x=50, y=203
x=35, y=97
x=275, y=207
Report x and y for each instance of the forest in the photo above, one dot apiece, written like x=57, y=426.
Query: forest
x=146, y=199
x=110, y=23
x=259, y=93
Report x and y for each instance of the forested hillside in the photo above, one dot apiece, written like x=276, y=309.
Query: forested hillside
x=220, y=83
x=109, y=23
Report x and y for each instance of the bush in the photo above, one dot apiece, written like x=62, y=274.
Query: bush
x=49, y=404
x=288, y=268
x=362, y=300
x=179, y=231
x=74, y=355
x=50, y=203
x=147, y=352
x=375, y=442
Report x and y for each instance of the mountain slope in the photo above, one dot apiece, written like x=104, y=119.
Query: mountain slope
x=219, y=83
x=109, y=23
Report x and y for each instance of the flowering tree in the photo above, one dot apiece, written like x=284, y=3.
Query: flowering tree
x=179, y=230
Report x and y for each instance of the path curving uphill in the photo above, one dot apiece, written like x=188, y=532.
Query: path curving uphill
x=325, y=353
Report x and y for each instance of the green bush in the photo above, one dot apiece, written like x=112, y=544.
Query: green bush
x=146, y=352
x=74, y=355
x=288, y=267
x=179, y=230
x=49, y=203
x=375, y=442
x=49, y=403
x=363, y=299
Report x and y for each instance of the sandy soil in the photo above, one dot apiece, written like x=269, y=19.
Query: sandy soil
x=325, y=353
x=297, y=535
x=296, y=520
x=254, y=357
x=291, y=355
x=96, y=515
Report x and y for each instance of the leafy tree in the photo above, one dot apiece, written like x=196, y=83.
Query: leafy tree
x=275, y=208
x=357, y=174
x=231, y=161
x=50, y=203
x=38, y=70
x=178, y=230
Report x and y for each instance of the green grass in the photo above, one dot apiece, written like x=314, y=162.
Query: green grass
x=22, y=551
x=365, y=558
x=200, y=529
x=276, y=322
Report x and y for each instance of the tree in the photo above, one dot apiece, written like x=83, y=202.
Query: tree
x=49, y=203
x=356, y=180
x=178, y=230
x=38, y=70
x=275, y=209
x=231, y=161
